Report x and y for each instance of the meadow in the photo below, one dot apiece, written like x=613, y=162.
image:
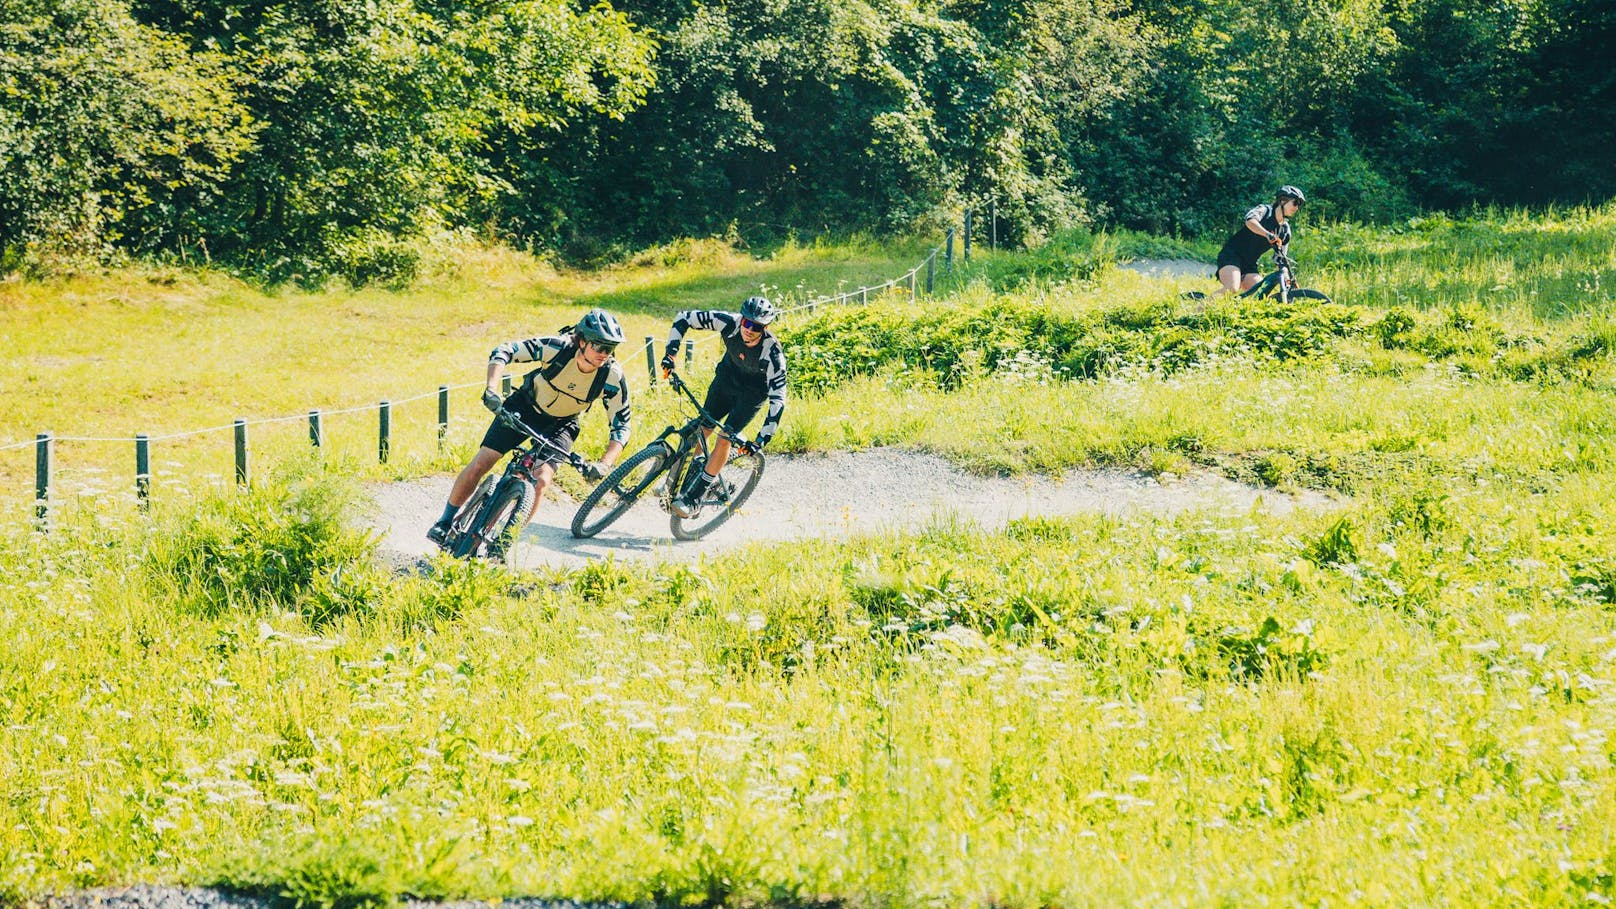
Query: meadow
x=1406, y=700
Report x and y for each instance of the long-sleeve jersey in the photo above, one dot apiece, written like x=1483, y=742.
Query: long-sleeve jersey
x=765, y=363
x=544, y=350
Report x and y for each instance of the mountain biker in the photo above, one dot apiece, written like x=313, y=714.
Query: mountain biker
x=1266, y=225
x=576, y=369
x=753, y=368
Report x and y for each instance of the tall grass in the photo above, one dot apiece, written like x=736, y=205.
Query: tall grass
x=1406, y=700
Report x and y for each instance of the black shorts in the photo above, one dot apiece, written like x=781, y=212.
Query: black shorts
x=1246, y=261
x=561, y=431
x=735, y=400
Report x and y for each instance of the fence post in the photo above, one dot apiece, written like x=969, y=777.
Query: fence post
x=948, y=257
x=384, y=440
x=505, y=386
x=42, y=480
x=912, y=276
x=864, y=295
x=241, y=453
x=143, y=471
x=931, y=270
x=690, y=353
x=967, y=238
x=650, y=357
x=316, y=430
x=993, y=223
x=443, y=417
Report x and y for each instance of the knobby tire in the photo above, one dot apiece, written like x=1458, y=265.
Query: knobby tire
x=626, y=484
x=491, y=531
x=751, y=466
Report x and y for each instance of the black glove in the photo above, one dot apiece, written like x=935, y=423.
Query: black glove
x=492, y=400
x=667, y=364
x=752, y=448
x=591, y=472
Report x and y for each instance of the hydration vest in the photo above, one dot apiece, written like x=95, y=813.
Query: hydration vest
x=553, y=388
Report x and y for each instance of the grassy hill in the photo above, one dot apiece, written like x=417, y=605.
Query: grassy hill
x=1405, y=701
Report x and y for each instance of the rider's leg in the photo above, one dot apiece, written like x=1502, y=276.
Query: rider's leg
x=1229, y=277
x=1249, y=280
x=466, y=481
x=541, y=481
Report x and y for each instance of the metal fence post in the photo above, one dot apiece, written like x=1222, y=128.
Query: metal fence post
x=864, y=295
x=443, y=417
x=242, y=477
x=384, y=441
x=316, y=430
x=948, y=257
x=505, y=386
x=42, y=480
x=650, y=357
x=931, y=270
x=143, y=471
x=967, y=238
x=690, y=353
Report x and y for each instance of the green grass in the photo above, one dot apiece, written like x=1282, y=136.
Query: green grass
x=1405, y=699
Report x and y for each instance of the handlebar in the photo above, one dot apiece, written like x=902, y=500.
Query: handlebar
x=590, y=472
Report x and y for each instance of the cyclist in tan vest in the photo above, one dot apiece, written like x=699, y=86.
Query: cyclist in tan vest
x=576, y=368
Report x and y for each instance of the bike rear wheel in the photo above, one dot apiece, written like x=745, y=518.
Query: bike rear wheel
x=739, y=477
x=619, y=491
x=492, y=532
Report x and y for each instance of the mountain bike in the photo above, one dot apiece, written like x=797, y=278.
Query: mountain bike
x=1281, y=280
x=488, y=523
x=676, y=456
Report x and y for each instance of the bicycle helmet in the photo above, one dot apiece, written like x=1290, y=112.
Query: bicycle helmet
x=600, y=326
x=1290, y=192
x=759, y=310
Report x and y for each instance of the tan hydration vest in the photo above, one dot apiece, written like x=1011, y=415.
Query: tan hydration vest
x=567, y=392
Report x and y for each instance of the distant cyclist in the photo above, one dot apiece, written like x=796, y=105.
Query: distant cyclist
x=753, y=369
x=576, y=368
x=1266, y=226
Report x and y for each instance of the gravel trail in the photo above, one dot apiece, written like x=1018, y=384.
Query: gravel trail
x=832, y=495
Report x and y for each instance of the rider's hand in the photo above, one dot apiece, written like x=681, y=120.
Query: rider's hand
x=667, y=365
x=492, y=400
x=1274, y=240
x=593, y=472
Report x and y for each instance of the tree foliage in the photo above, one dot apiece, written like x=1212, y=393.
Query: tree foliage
x=301, y=138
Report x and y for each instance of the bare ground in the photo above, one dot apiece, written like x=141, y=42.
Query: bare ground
x=830, y=496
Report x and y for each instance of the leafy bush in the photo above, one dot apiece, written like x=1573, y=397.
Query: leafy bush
x=285, y=543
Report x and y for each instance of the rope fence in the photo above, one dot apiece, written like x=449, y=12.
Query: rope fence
x=45, y=443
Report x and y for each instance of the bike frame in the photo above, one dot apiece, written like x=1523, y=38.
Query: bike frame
x=690, y=436
x=520, y=467
x=1283, y=277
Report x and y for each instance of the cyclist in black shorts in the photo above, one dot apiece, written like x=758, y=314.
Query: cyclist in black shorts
x=576, y=368
x=753, y=369
x=1266, y=226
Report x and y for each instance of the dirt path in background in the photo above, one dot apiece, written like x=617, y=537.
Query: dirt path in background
x=1170, y=268
x=832, y=496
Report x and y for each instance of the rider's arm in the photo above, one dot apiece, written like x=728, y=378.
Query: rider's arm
x=1254, y=220
x=702, y=319
x=617, y=410
x=774, y=375
x=542, y=350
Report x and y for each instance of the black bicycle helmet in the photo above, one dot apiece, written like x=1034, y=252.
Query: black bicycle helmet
x=600, y=326
x=759, y=310
x=1290, y=192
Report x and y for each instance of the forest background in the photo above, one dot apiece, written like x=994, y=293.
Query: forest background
x=314, y=138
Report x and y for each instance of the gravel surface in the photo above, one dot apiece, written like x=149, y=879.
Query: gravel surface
x=831, y=495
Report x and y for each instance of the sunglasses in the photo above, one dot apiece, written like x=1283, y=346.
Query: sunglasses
x=603, y=348
x=749, y=325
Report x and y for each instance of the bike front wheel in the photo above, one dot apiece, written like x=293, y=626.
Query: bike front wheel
x=1304, y=293
x=619, y=491
x=492, y=532
x=736, y=481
